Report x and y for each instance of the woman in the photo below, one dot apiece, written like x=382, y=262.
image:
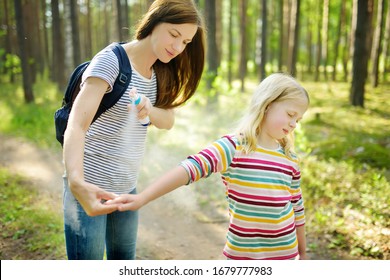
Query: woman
x=102, y=159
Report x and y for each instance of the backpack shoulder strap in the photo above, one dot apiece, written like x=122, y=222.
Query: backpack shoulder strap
x=121, y=83
x=73, y=87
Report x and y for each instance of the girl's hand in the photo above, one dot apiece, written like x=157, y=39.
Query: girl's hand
x=303, y=257
x=126, y=202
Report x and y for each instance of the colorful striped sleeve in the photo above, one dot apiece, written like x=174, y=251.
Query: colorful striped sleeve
x=215, y=158
x=297, y=199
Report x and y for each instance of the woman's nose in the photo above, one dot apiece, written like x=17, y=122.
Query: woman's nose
x=178, y=46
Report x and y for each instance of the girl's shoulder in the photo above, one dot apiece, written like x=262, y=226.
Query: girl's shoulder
x=231, y=139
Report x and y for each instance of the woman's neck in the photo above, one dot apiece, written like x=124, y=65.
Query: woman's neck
x=141, y=56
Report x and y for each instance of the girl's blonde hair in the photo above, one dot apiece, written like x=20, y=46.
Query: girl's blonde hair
x=276, y=87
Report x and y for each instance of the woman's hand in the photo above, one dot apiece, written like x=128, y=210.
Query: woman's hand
x=92, y=199
x=144, y=107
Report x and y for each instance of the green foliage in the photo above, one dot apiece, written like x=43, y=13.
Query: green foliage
x=346, y=170
x=33, y=121
x=29, y=221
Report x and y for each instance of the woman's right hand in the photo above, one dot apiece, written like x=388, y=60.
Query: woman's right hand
x=92, y=199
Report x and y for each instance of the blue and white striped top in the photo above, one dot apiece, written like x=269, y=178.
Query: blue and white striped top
x=115, y=142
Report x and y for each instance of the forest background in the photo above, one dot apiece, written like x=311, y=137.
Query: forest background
x=338, y=49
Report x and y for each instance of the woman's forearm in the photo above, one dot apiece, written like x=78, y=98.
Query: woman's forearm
x=162, y=118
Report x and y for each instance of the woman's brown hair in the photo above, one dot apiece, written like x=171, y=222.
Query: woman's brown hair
x=177, y=80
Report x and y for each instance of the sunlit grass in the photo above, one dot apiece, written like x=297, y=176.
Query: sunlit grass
x=29, y=217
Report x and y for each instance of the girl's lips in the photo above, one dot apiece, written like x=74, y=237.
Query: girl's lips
x=285, y=131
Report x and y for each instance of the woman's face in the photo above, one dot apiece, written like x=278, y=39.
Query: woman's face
x=169, y=40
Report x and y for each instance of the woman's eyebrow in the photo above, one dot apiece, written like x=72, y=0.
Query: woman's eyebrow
x=178, y=32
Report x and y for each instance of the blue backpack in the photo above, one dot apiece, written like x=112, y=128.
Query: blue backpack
x=61, y=116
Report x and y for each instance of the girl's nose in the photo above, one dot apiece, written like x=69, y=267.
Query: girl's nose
x=293, y=123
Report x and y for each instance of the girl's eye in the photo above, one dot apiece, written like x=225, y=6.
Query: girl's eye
x=174, y=35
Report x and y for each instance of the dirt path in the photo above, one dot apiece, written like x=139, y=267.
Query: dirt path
x=167, y=229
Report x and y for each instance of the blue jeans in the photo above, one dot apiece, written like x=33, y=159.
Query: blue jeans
x=87, y=237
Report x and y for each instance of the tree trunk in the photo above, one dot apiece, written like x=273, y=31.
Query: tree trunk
x=281, y=28
x=346, y=55
x=243, y=43
x=122, y=24
x=31, y=44
x=353, y=30
x=319, y=42
x=294, y=35
x=376, y=48
x=338, y=39
x=386, y=44
x=27, y=81
x=230, y=44
x=264, y=38
x=360, y=56
x=88, y=39
x=74, y=19
x=286, y=39
x=58, y=47
x=324, y=35
x=309, y=44
x=45, y=47
x=212, y=52
x=68, y=40
x=8, y=40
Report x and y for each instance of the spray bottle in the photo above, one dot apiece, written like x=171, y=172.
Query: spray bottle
x=135, y=99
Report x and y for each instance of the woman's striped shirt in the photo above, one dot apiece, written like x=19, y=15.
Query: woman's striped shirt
x=115, y=142
x=264, y=196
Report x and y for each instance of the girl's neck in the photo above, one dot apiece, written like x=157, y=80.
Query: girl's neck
x=267, y=142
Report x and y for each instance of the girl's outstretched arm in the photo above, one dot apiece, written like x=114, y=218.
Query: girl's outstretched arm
x=170, y=181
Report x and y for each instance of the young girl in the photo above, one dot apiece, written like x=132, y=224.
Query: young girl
x=260, y=172
x=102, y=159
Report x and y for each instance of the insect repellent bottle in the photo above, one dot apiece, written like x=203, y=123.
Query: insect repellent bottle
x=135, y=99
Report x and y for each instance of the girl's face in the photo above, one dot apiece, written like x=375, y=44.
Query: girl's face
x=280, y=119
x=169, y=40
